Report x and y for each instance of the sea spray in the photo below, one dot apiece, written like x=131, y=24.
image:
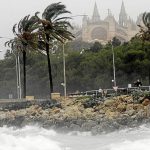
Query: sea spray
x=37, y=138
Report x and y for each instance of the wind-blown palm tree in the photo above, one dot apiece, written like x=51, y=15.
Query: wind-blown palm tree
x=54, y=27
x=26, y=38
x=144, y=32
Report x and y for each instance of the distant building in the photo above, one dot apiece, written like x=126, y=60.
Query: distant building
x=104, y=30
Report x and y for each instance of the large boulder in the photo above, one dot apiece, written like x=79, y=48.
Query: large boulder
x=109, y=102
x=72, y=112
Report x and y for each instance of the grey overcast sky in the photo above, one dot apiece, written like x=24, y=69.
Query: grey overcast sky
x=11, y=11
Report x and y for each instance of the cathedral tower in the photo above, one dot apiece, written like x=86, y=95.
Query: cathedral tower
x=123, y=16
x=96, y=16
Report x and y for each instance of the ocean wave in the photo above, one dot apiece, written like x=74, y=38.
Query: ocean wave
x=38, y=138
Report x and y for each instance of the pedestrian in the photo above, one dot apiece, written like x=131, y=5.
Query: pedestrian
x=138, y=83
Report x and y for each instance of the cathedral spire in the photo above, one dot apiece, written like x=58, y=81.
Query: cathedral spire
x=122, y=11
x=123, y=16
x=96, y=16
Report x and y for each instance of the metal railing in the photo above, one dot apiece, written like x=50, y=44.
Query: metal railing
x=110, y=92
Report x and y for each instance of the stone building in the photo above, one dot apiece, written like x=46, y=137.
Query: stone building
x=104, y=30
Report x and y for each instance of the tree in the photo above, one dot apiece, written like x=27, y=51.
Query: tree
x=144, y=33
x=116, y=42
x=97, y=46
x=25, y=39
x=54, y=27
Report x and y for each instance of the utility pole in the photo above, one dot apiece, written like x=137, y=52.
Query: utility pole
x=114, y=69
x=64, y=69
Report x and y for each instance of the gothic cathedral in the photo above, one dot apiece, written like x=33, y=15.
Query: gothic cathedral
x=104, y=30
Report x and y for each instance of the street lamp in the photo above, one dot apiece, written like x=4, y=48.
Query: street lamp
x=64, y=69
x=19, y=91
x=18, y=74
x=64, y=63
x=114, y=69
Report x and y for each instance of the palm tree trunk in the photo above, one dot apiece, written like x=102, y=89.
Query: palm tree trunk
x=49, y=65
x=24, y=74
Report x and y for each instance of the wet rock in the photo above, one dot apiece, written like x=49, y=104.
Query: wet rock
x=96, y=130
x=130, y=112
x=75, y=127
x=146, y=102
x=87, y=126
x=141, y=114
x=2, y=116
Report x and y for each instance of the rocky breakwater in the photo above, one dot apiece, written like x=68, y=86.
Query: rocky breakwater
x=76, y=115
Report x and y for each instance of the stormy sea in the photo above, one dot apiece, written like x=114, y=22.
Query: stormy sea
x=37, y=138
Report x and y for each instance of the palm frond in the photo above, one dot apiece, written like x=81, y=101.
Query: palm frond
x=54, y=10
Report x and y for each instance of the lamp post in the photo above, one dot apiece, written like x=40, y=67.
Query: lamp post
x=64, y=70
x=64, y=63
x=18, y=77
x=114, y=69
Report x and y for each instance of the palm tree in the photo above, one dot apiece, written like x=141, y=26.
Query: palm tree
x=54, y=27
x=25, y=39
x=144, y=32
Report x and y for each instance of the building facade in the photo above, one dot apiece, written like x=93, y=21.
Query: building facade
x=95, y=29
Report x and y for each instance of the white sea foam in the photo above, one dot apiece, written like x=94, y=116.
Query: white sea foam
x=28, y=138
x=36, y=138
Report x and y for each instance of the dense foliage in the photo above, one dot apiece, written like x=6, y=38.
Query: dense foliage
x=84, y=71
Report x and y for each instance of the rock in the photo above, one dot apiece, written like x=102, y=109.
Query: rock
x=2, y=116
x=96, y=130
x=10, y=116
x=130, y=112
x=102, y=111
x=72, y=112
x=87, y=126
x=91, y=103
x=109, y=102
x=89, y=113
x=147, y=110
x=138, y=107
x=117, y=113
x=80, y=122
x=146, y=102
x=75, y=127
x=141, y=113
x=129, y=107
x=110, y=115
x=57, y=110
x=129, y=99
x=21, y=112
x=121, y=107
x=123, y=119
